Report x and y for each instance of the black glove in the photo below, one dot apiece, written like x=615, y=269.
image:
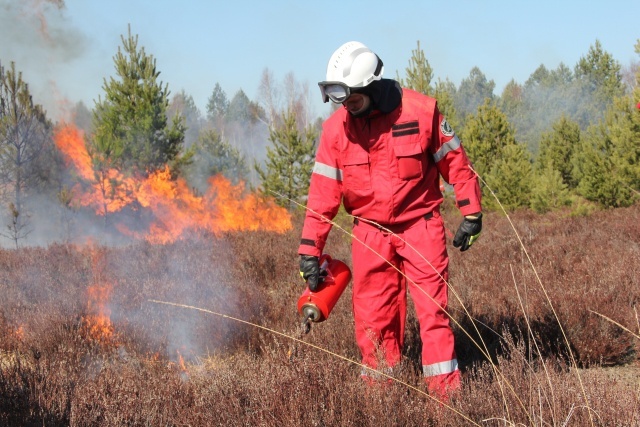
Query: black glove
x=310, y=271
x=468, y=232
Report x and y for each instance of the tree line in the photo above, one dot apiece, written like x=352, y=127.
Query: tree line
x=567, y=138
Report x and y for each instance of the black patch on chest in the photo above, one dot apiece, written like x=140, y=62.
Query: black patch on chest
x=402, y=129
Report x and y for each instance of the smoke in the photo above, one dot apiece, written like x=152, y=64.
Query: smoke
x=44, y=221
x=38, y=37
x=252, y=140
x=191, y=271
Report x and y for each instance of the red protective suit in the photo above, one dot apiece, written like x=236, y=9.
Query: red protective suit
x=386, y=168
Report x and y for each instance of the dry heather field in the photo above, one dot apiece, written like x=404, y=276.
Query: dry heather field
x=546, y=320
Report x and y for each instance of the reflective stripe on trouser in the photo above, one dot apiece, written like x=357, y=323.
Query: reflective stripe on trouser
x=379, y=291
x=440, y=368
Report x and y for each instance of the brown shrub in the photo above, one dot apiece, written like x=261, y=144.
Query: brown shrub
x=246, y=363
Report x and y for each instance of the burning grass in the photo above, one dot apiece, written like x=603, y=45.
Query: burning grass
x=81, y=344
x=163, y=209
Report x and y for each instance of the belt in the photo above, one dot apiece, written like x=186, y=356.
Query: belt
x=394, y=228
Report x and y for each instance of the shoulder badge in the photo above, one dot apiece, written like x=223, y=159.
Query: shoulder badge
x=445, y=128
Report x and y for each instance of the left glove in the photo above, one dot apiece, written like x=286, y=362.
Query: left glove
x=468, y=232
x=310, y=271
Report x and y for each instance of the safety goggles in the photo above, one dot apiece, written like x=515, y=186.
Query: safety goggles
x=335, y=91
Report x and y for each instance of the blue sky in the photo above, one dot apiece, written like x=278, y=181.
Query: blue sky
x=65, y=53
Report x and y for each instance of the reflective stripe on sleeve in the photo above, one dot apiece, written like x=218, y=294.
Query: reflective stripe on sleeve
x=328, y=171
x=440, y=368
x=453, y=144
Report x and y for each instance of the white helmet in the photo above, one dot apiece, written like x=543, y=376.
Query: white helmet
x=352, y=66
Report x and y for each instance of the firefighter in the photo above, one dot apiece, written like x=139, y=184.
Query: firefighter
x=382, y=156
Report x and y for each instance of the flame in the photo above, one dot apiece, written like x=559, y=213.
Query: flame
x=70, y=141
x=175, y=208
x=184, y=373
x=181, y=364
x=98, y=320
x=36, y=8
x=19, y=333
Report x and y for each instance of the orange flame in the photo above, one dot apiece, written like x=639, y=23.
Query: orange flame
x=175, y=208
x=37, y=9
x=19, y=332
x=99, y=318
x=183, y=367
x=70, y=141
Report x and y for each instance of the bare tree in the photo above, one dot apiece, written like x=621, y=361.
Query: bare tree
x=290, y=95
x=269, y=96
x=24, y=132
x=18, y=227
x=295, y=96
x=629, y=73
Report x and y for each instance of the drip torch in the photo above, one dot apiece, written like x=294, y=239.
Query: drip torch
x=317, y=305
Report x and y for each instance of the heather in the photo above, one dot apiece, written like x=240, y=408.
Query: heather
x=84, y=344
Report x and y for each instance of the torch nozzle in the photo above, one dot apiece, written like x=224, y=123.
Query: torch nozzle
x=311, y=314
x=306, y=323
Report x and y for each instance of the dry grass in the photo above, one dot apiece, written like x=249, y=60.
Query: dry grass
x=168, y=366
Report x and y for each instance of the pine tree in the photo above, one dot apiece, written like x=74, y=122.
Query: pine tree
x=607, y=166
x=557, y=147
x=418, y=77
x=217, y=105
x=184, y=105
x=548, y=190
x=472, y=93
x=511, y=101
x=500, y=161
x=213, y=156
x=594, y=171
x=289, y=162
x=484, y=136
x=598, y=81
x=511, y=97
x=600, y=75
x=546, y=95
x=132, y=132
x=419, y=73
x=623, y=125
x=510, y=178
x=242, y=110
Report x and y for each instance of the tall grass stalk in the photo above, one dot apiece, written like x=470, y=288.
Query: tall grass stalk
x=544, y=290
x=538, y=351
x=618, y=324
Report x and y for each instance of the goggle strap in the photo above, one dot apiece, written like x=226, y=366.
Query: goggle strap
x=378, y=67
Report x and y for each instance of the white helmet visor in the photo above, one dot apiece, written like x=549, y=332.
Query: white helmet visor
x=335, y=91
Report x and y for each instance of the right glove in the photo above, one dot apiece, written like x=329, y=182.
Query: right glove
x=310, y=271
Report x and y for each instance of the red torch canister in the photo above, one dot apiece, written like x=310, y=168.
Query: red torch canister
x=316, y=306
